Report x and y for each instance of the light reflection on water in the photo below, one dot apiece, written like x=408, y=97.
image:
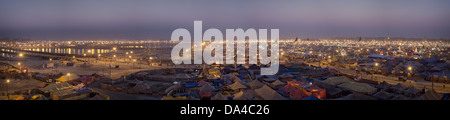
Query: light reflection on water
x=77, y=51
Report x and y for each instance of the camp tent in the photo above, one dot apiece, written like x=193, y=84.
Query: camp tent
x=383, y=95
x=383, y=85
x=219, y=96
x=239, y=96
x=207, y=87
x=277, y=83
x=255, y=84
x=356, y=96
x=412, y=92
x=141, y=85
x=66, y=78
x=337, y=80
x=268, y=93
x=399, y=88
x=236, y=86
x=297, y=95
x=358, y=87
x=56, y=87
x=311, y=97
x=202, y=82
x=431, y=95
x=399, y=97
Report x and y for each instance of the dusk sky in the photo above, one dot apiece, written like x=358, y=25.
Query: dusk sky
x=42, y=19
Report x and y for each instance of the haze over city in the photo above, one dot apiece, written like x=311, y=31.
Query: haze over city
x=137, y=19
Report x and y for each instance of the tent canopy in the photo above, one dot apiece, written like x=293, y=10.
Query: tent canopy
x=268, y=93
x=66, y=78
x=236, y=85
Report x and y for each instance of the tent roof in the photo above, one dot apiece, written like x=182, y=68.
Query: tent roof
x=412, y=90
x=431, y=95
x=219, y=96
x=311, y=97
x=255, y=84
x=239, y=96
x=383, y=95
x=237, y=85
x=277, y=83
x=288, y=88
x=357, y=96
x=337, y=80
x=358, y=87
x=383, y=85
x=207, y=87
x=398, y=87
x=298, y=94
x=399, y=97
x=268, y=93
x=56, y=87
x=66, y=78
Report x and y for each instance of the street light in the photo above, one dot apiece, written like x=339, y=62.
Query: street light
x=68, y=76
x=7, y=87
x=21, y=54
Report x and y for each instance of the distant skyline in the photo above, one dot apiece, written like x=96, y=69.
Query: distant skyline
x=142, y=19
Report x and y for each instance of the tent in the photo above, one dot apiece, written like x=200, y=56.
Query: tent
x=288, y=89
x=173, y=87
x=356, y=96
x=255, y=84
x=141, y=86
x=97, y=97
x=205, y=94
x=277, y=83
x=207, y=87
x=297, y=95
x=383, y=95
x=239, y=96
x=358, y=87
x=66, y=78
x=431, y=95
x=269, y=79
x=219, y=96
x=236, y=86
x=237, y=79
x=56, y=87
x=191, y=84
x=383, y=85
x=337, y=80
x=268, y=93
x=399, y=88
x=411, y=92
x=311, y=97
x=399, y=97
x=202, y=82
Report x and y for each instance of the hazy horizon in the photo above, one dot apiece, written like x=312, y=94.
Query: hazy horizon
x=137, y=19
